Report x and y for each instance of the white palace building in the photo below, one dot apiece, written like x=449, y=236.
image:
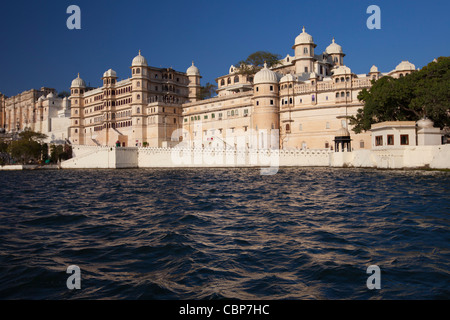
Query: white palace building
x=301, y=104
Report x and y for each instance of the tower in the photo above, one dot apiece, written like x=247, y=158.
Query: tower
x=335, y=52
x=304, y=53
x=77, y=90
x=265, y=108
x=139, y=79
x=194, y=82
x=109, y=100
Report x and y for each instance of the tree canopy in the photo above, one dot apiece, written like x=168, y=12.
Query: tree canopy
x=423, y=93
x=207, y=91
x=255, y=62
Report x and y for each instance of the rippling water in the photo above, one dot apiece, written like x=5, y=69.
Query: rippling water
x=211, y=233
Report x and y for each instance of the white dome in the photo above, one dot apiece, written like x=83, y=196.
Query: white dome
x=193, y=70
x=287, y=78
x=342, y=132
x=334, y=48
x=265, y=75
x=374, y=69
x=405, y=66
x=425, y=123
x=313, y=75
x=341, y=70
x=50, y=95
x=110, y=73
x=78, y=83
x=139, y=61
x=41, y=98
x=304, y=38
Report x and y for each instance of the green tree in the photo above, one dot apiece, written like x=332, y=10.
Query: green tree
x=420, y=94
x=64, y=94
x=207, y=91
x=28, y=147
x=255, y=62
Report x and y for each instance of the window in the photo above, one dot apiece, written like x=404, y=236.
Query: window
x=229, y=80
x=222, y=83
x=271, y=88
x=327, y=125
x=138, y=84
x=236, y=79
x=257, y=103
x=306, y=69
x=361, y=144
x=305, y=50
x=205, y=117
x=379, y=140
x=327, y=145
x=271, y=102
x=313, y=98
x=213, y=116
x=257, y=89
x=404, y=139
x=390, y=139
x=138, y=70
x=288, y=128
x=245, y=111
x=300, y=127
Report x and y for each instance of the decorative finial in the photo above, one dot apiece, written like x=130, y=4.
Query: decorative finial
x=192, y=62
x=333, y=39
x=265, y=64
x=139, y=52
x=78, y=74
x=304, y=29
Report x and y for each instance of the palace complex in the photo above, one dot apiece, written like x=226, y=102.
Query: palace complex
x=307, y=99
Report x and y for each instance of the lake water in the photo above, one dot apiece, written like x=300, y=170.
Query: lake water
x=304, y=233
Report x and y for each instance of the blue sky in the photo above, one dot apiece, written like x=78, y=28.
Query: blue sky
x=38, y=50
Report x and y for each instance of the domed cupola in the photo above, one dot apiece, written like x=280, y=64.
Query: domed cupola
x=78, y=83
x=288, y=78
x=334, y=48
x=265, y=75
x=193, y=70
x=405, y=66
x=304, y=38
x=110, y=73
x=139, y=61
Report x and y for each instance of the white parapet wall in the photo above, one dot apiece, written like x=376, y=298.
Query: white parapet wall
x=434, y=157
x=97, y=157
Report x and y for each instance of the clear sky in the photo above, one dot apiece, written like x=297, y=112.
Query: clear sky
x=38, y=50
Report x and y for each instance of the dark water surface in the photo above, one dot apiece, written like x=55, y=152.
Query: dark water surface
x=213, y=233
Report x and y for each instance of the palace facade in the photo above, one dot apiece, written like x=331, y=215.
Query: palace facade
x=307, y=100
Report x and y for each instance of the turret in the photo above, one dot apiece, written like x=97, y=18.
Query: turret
x=304, y=53
x=194, y=82
x=77, y=90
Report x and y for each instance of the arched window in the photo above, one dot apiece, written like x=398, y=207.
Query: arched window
x=337, y=80
x=139, y=97
x=229, y=80
x=236, y=79
x=138, y=70
x=305, y=50
x=288, y=127
x=222, y=83
x=287, y=59
x=138, y=110
x=138, y=84
x=313, y=98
